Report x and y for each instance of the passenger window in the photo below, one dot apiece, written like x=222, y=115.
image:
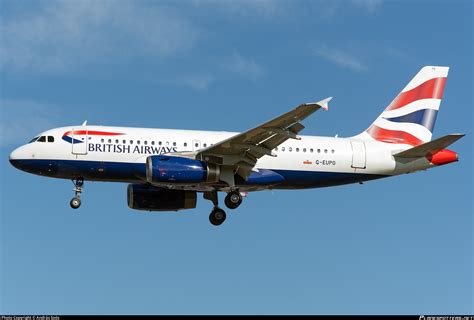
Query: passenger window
x=131, y=141
x=102, y=140
x=332, y=151
x=196, y=145
x=325, y=150
x=42, y=139
x=304, y=149
x=297, y=149
x=117, y=141
x=319, y=150
x=124, y=141
x=110, y=140
x=159, y=143
x=50, y=139
x=282, y=148
x=153, y=143
x=311, y=150
x=138, y=141
x=289, y=149
x=185, y=144
x=145, y=142
x=174, y=144
x=205, y=145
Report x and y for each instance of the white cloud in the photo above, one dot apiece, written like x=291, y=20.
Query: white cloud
x=20, y=120
x=342, y=58
x=68, y=35
x=246, y=67
x=370, y=5
x=261, y=8
x=331, y=9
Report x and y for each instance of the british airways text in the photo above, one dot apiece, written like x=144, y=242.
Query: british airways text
x=121, y=148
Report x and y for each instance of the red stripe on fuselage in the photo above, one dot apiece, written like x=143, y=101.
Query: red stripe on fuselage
x=431, y=89
x=393, y=136
x=94, y=133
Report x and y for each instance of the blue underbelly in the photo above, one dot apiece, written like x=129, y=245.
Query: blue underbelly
x=135, y=173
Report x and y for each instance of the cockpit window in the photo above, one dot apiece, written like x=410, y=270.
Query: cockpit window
x=33, y=140
x=50, y=139
x=42, y=139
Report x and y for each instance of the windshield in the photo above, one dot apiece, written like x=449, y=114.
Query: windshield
x=34, y=139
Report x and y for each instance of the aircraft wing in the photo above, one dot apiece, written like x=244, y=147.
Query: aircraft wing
x=244, y=149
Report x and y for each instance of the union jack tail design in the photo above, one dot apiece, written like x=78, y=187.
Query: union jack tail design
x=411, y=116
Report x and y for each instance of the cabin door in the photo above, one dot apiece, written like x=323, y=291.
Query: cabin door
x=358, y=154
x=79, y=141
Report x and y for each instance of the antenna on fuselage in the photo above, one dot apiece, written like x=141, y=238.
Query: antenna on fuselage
x=85, y=123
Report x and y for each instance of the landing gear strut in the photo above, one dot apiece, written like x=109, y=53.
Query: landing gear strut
x=233, y=199
x=76, y=201
x=217, y=216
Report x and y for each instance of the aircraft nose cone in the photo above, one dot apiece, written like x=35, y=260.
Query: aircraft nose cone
x=16, y=158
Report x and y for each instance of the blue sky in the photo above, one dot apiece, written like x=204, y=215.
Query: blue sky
x=399, y=245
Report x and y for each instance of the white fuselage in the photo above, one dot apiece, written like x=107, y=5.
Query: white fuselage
x=301, y=162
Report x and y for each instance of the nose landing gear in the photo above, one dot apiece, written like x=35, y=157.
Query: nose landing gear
x=76, y=201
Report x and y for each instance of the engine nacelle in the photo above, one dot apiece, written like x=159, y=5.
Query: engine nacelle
x=146, y=197
x=180, y=170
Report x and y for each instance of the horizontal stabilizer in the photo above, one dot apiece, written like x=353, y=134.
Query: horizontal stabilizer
x=430, y=147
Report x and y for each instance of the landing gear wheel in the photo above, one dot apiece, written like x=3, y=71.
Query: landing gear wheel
x=78, y=184
x=217, y=216
x=233, y=200
x=75, y=203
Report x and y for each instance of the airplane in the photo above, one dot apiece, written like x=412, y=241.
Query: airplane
x=165, y=169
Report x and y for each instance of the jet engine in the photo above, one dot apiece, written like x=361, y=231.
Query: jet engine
x=173, y=169
x=146, y=197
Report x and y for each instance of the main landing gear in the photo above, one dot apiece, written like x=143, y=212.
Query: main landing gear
x=217, y=216
x=76, y=201
x=232, y=201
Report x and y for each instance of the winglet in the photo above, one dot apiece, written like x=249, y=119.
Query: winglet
x=324, y=103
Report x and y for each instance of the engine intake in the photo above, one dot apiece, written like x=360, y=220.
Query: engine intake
x=180, y=170
x=146, y=197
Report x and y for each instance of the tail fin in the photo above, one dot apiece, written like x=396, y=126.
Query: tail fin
x=411, y=116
